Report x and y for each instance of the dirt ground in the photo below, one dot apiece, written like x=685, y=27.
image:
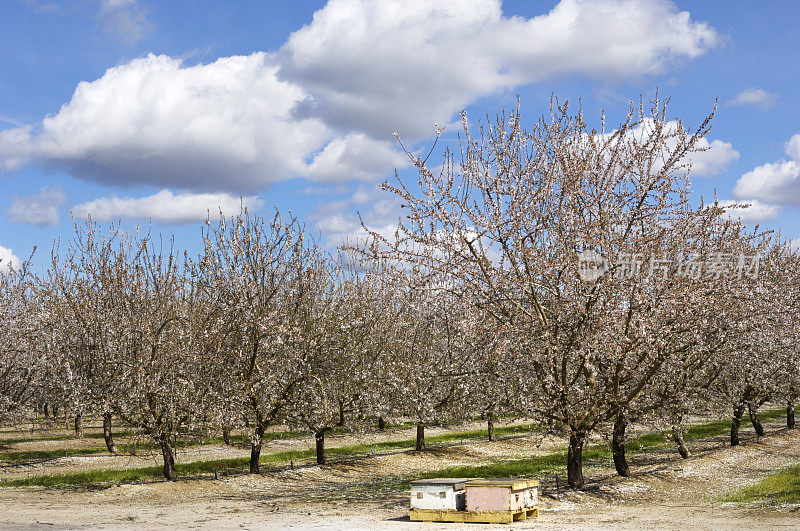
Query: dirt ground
x=678, y=494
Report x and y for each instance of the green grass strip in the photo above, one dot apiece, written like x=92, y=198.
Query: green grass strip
x=36, y=455
x=782, y=487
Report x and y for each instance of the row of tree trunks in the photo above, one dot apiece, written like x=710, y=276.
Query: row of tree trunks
x=577, y=439
x=738, y=412
x=47, y=411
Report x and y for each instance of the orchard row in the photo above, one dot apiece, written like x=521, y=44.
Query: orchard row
x=479, y=303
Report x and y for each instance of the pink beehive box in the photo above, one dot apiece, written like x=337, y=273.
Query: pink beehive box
x=502, y=494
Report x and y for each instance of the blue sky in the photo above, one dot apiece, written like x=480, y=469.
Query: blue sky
x=140, y=110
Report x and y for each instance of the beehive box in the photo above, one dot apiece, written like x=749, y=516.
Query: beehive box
x=502, y=494
x=438, y=494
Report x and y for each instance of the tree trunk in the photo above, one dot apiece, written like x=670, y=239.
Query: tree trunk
x=46, y=411
x=790, y=415
x=618, y=445
x=381, y=423
x=319, y=437
x=78, y=425
x=575, y=459
x=255, y=449
x=753, y=412
x=107, y=433
x=490, y=425
x=226, y=436
x=55, y=412
x=341, y=414
x=738, y=411
x=420, y=436
x=168, y=453
x=677, y=435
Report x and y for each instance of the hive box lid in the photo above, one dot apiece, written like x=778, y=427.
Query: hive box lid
x=455, y=483
x=511, y=483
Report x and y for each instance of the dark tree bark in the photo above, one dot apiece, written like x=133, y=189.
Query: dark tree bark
x=677, y=435
x=79, y=425
x=618, y=445
x=55, y=411
x=738, y=411
x=341, y=414
x=420, y=436
x=46, y=411
x=752, y=411
x=381, y=423
x=168, y=453
x=255, y=449
x=107, y=435
x=490, y=425
x=226, y=436
x=790, y=415
x=575, y=459
x=319, y=438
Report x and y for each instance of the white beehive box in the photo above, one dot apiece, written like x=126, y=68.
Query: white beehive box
x=438, y=494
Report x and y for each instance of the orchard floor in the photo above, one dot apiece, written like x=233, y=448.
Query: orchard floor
x=670, y=493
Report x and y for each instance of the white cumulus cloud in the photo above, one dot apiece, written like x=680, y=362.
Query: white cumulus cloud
x=756, y=97
x=338, y=222
x=380, y=65
x=164, y=207
x=792, y=147
x=709, y=159
x=717, y=155
x=8, y=259
x=774, y=182
x=222, y=126
x=39, y=209
x=355, y=157
x=324, y=105
x=753, y=211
